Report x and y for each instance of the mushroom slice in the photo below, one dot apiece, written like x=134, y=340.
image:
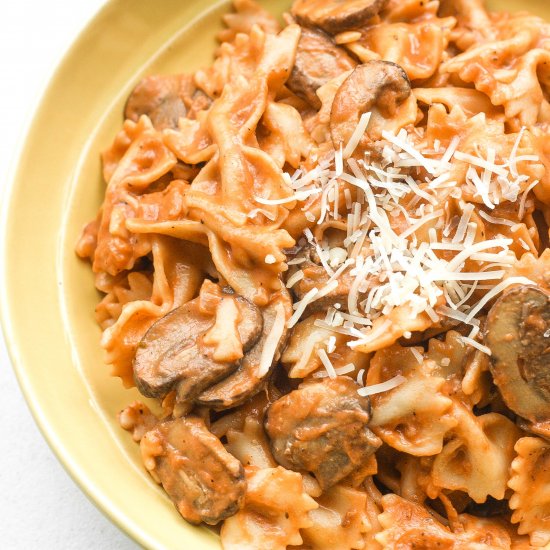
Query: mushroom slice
x=318, y=60
x=516, y=332
x=160, y=98
x=378, y=87
x=248, y=380
x=204, y=481
x=336, y=16
x=322, y=428
x=191, y=347
x=315, y=276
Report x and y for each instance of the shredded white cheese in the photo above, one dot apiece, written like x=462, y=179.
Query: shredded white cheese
x=340, y=371
x=417, y=355
x=295, y=278
x=475, y=344
x=383, y=386
x=405, y=244
x=326, y=363
x=358, y=133
x=272, y=341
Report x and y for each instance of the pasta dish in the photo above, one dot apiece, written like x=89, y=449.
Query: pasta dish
x=325, y=264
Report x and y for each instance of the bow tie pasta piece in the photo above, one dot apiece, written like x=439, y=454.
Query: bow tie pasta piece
x=466, y=370
x=530, y=482
x=519, y=85
x=409, y=525
x=409, y=33
x=137, y=419
x=537, y=269
x=484, y=141
x=239, y=57
x=415, y=482
x=301, y=356
x=473, y=21
x=476, y=458
x=250, y=445
x=286, y=139
x=247, y=14
x=414, y=417
x=471, y=102
x=276, y=507
x=340, y=522
x=387, y=329
x=145, y=162
x=120, y=290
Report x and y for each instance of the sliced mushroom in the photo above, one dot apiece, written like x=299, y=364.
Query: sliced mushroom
x=322, y=428
x=316, y=276
x=160, y=98
x=246, y=381
x=318, y=60
x=516, y=332
x=196, y=345
x=336, y=16
x=204, y=481
x=378, y=87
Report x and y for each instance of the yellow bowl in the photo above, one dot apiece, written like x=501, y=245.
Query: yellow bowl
x=48, y=296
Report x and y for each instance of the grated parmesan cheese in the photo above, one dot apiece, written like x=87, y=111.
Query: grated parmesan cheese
x=383, y=386
x=272, y=341
x=326, y=363
x=417, y=355
x=293, y=279
x=393, y=205
x=340, y=371
x=475, y=344
x=358, y=133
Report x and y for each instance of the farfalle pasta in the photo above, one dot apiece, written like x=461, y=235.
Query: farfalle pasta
x=325, y=265
x=529, y=481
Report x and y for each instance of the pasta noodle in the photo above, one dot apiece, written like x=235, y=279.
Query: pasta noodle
x=530, y=476
x=327, y=258
x=275, y=510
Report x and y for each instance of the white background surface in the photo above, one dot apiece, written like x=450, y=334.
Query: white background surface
x=40, y=506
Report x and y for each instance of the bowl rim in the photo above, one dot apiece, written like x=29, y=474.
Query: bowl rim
x=13, y=174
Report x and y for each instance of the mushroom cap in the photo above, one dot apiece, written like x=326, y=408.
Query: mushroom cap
x=205, y=482
x=172, y=352
x=516, y=330
x=158, y=97
x=318, y=60
x=379, y=87
x=322, y=427
x=245, y=382
x=336, y=16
